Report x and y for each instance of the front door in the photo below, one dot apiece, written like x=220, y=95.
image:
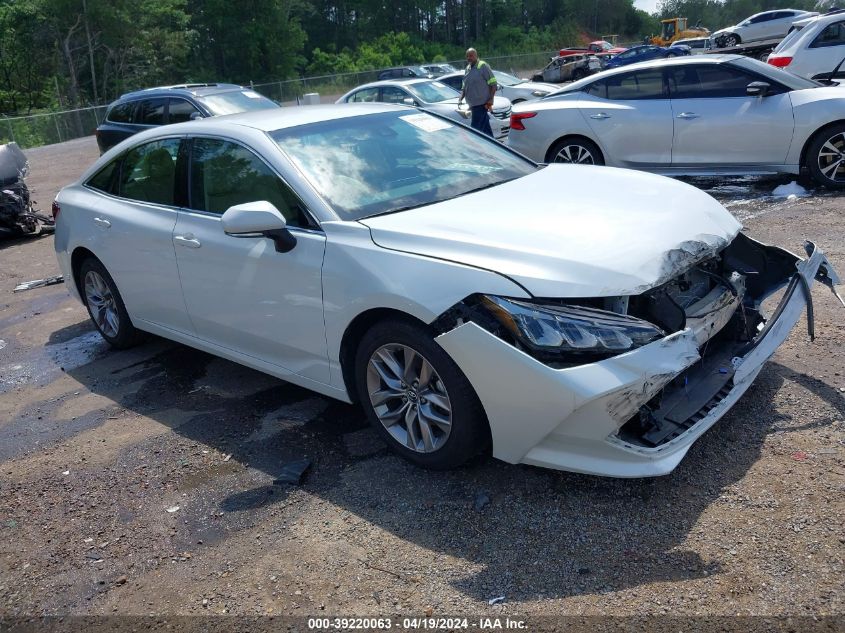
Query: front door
x=718, y=124
x=240, y=293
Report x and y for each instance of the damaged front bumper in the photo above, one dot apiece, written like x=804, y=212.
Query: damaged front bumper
x=581, y=418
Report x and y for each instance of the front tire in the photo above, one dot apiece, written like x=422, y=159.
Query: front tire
x=825, y=159
x=731, y=40
x=578, y=151
x=105, y=305
x=417, y=398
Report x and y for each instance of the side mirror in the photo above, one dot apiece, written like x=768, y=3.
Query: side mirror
x=498, y=87
x=253, y=219
x=196, y=115
x=409, y=101
x=757, y=89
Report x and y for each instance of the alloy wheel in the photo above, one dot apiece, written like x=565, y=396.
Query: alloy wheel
x=574, y=154
x=102, y=304
x=409, y=398
x=831, y=158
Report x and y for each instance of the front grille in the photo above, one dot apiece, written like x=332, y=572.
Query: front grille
x=502, y=114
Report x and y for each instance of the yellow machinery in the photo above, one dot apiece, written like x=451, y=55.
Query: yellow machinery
x=677, y=29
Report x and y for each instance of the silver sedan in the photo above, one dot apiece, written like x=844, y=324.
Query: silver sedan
x=719, y=114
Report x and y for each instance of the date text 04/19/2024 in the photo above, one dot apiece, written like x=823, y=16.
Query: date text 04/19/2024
x=429, y=624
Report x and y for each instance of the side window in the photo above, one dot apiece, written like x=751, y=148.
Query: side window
x=833, y=35
x=707, y=82
x=224, y=174
x=391, y=94
x=597, y=89
x=151, y=112
x=105, y=180
x=148, y=173
x=367, y=94
x=646, y=84
x=121, y=113
x=180, y=110
x=762, y=18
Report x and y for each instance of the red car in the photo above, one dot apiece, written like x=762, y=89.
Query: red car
x=599, y=47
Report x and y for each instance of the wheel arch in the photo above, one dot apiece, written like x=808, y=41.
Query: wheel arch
x=570, y=137
x=79, y=255
x=352, y=337
x=811, y=137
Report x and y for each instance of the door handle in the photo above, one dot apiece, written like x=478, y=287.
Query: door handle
x=688, y=115
x=187, y=240
x=102, y=223
x=600, y=116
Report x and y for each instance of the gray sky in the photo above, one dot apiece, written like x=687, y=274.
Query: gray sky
x=646, y=5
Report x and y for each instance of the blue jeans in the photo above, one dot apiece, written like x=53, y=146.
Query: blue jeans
x=480, y=120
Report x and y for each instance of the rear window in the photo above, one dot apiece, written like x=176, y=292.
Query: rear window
x=104, y=180
x=832, y=35
x=121, y=112
x=235, y=101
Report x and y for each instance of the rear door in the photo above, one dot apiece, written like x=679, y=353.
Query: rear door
x=131, y=231
x=718, y=124
x=631, y=118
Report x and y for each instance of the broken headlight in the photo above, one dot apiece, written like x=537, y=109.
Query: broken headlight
x=571, y=328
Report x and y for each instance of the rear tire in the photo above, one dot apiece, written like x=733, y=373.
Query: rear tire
x=417, y=398
x=825, y=158
x=576, y=151
x=105, y=305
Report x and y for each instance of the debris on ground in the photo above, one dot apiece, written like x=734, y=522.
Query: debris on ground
x=173, y=509
x=482, y=499
x=293, y=472
x=39, y=283
x=791, y=191
x=17, y=214
x=496, y=600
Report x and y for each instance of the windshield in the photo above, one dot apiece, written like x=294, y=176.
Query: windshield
x=380, y=163
x=507, y=80
x=793, y=82
x=432, y=91
x=235, y=101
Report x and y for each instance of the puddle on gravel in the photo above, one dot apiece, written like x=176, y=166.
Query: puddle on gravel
x=40, y=365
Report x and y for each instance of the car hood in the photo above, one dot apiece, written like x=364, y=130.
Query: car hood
x=569, y=230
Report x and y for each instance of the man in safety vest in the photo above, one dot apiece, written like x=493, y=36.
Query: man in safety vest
x=478, y=88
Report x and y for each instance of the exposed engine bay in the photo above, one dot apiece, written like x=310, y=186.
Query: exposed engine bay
x=719, y=299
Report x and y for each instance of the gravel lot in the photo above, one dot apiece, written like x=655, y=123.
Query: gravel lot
x=142, y=482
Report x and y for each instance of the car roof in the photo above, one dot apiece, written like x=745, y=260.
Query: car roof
x=273, y=119
x=406, y=81
x=194, y=90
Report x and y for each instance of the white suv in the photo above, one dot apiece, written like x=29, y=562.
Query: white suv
x=760, y=26
x=814, y=48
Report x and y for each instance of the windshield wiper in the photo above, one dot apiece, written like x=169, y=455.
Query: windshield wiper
x=399, y=209
x=487, y=186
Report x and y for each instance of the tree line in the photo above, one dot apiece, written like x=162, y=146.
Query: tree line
x=59, y=54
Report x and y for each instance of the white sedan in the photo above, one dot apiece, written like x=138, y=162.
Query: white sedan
x=382, y=255
x=513, y=88
x=760, y=26
x=432, y=95
x=702, y=115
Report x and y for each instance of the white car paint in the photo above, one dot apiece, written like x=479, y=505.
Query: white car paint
x=762, y=26
x=510, y=87
x=286, y=313
x=701, y=136
x=499, y=116
x=814, y=48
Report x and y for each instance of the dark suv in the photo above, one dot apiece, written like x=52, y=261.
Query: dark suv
x=143, y=109
x=404, y=72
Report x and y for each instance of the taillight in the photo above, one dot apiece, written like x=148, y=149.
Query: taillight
x=780, y=62
x=55, y=209
x=517, y=117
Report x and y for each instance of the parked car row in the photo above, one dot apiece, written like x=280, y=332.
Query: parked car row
x=719, y=114
x=567, y=316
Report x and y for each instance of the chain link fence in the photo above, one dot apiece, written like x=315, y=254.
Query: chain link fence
x=56, y=127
